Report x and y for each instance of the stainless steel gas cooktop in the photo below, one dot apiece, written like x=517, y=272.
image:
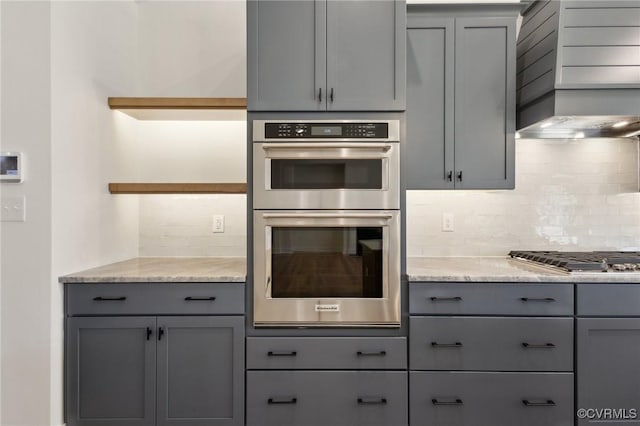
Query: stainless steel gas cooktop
x=583, y=261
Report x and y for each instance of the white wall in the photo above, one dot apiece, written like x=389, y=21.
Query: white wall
x=180, y=225
x=570, y=195
x=192, y=48
x=93, y=56
x=186, y=151
x=26, y=246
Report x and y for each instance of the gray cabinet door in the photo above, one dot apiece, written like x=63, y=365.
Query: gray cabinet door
x=286, y=54
x=608, y=368
x=491, y=399
x=430, y=108
x=366, y=48
x=491, y=343
x=485, y=103
x=327, y=398
x=200, y=371
x=111, y=374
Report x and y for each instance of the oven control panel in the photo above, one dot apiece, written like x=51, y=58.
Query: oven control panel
x=359, y=130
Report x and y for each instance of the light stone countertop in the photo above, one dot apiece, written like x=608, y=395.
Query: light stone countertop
x=165, y=269
x=500, y=269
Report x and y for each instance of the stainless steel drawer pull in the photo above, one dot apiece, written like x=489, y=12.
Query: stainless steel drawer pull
x=438, y=401
x=379, y=353
x=538, y=346
x=446, y=345
x=282, y=353
x=537, y=299
x=446, y=299
x=193, y=299
x=372, y=401
x=110, y=299
x=282, y=400
x=543, y=403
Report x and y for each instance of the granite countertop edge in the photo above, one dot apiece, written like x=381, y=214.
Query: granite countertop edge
x=499, y=270
x=164, y=270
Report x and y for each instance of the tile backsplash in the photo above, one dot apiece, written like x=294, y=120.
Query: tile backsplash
x=570, y=195
x=181, y=225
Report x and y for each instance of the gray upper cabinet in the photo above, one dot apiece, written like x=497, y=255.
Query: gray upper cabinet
x=460, y=99
x=326, y=55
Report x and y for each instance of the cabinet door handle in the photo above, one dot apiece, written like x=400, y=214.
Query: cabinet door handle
x=149, y=333
x=446, y=345
x=543, y=403
x=460, y=176
x=320, y=94
x=282, y=400
x=331, y=95
x=160, y=333
x=282, y=353
x=379, y=353
x=446, y=299
x=110, y=299
x=538, y=346
x=439, y=401
x=372, y=401
x=450, y=176
x=193, y=299
x=537, y=299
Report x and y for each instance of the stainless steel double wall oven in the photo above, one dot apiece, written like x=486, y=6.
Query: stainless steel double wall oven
x=326, y=223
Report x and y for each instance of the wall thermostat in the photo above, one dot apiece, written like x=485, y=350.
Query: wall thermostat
x=11, y=167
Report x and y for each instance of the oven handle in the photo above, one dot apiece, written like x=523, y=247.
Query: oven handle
x=327, y=215
x=327, y=145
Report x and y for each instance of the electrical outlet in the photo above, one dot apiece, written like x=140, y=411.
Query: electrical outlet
x=12, y=209
x=447, y=222
x=218, y=224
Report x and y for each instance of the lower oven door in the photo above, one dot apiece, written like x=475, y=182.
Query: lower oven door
x=327, y=268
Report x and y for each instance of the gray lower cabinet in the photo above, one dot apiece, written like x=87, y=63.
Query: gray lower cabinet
x=154, y=354
x=608, y=353
x=155, y=371
x=326, y=55
x=491, y=399
x=608, y=369
x=111, y=371
x=320, y=398
x=491, y=354
x=460, y=98
x=491, y=343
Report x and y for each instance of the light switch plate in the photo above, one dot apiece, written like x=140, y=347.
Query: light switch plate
x=13, y=209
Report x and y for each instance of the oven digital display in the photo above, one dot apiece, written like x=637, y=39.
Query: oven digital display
x=326, y=131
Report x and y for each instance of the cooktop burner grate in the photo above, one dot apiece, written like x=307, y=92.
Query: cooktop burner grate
x=603, y=261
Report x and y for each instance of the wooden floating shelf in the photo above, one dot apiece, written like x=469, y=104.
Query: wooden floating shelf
x=178, y=103
x=178, y=188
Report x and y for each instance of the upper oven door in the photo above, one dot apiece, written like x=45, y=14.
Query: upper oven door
x=353, y=172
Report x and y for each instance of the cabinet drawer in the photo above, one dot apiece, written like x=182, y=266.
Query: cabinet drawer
x=491, y=299
x=608, y=299
x=491, y=343
x=360, y=353
x=496, y=399
x=155, y=299
x=336, y=398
